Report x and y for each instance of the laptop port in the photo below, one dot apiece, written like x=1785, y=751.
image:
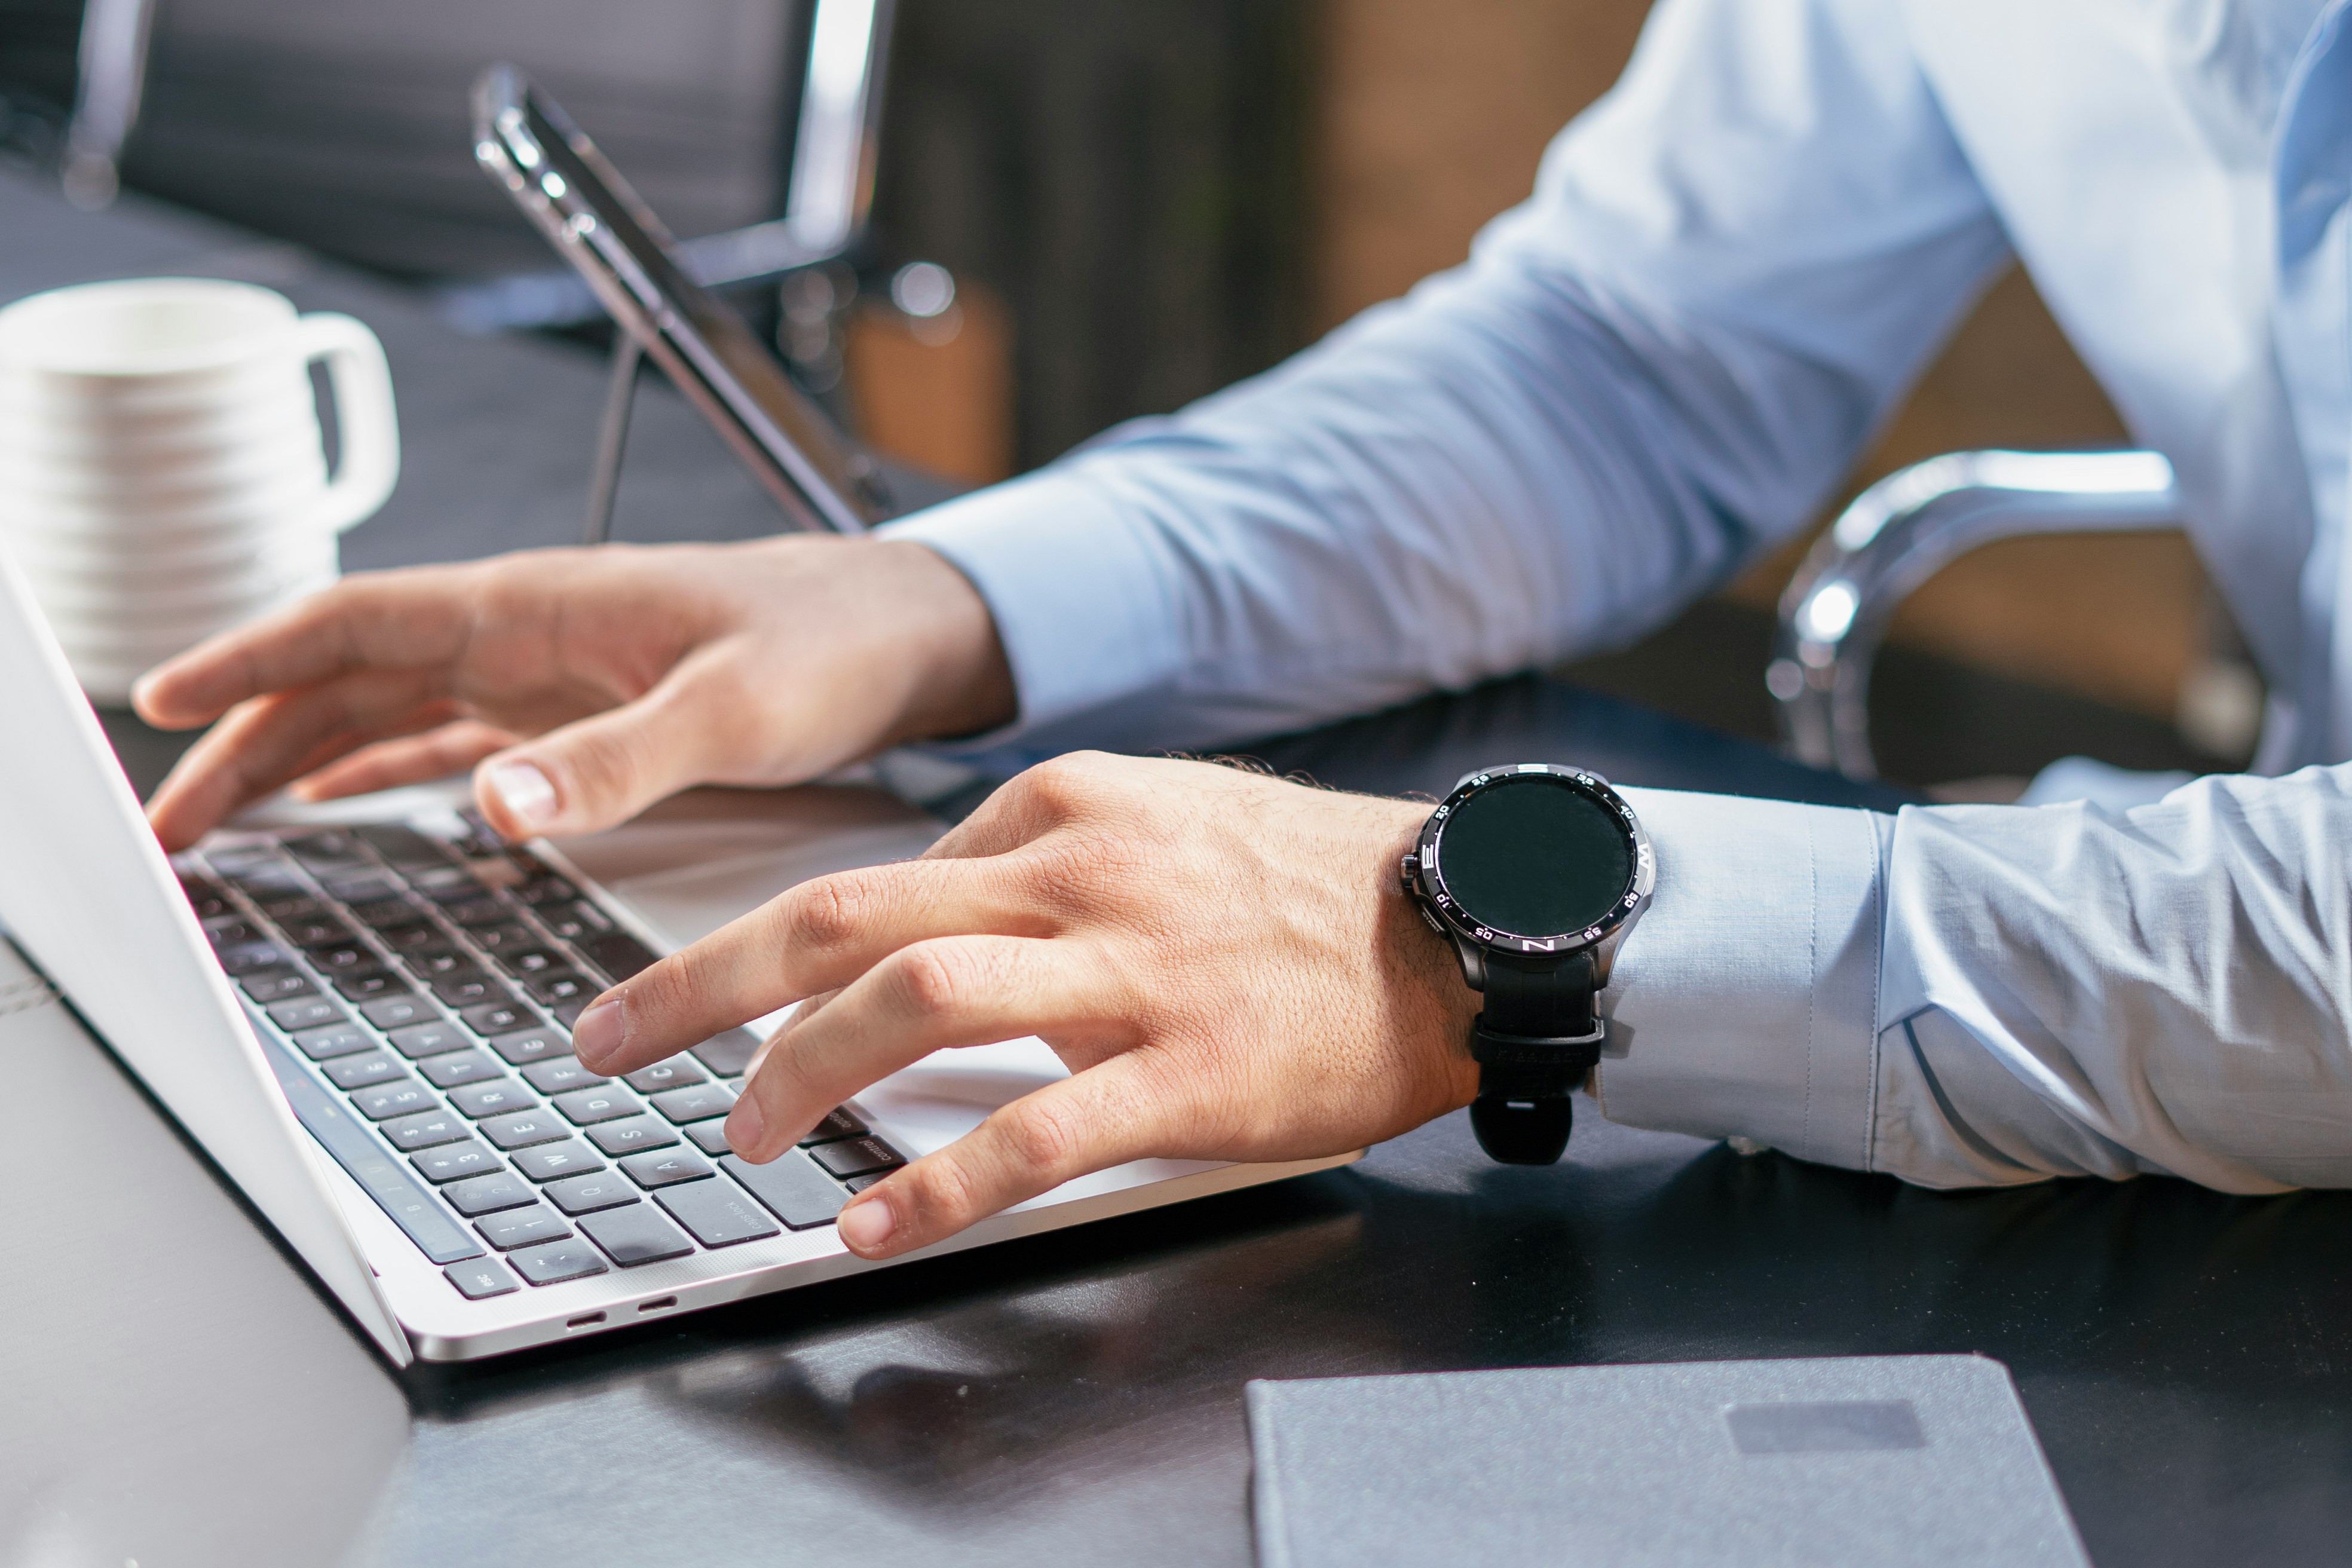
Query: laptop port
x=657, y=1304
x=583, y=1321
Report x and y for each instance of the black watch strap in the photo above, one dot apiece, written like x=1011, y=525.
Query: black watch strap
x=1537, y=1037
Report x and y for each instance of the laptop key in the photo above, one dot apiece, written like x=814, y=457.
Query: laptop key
x=710, y=1137
x=501, y=1097
x=343, y=957
x=522, y=1228
x=482, y=1279
x=548, y=1161
x=367, y=1072
x=267, y=985
x=856, y=1156
x=586, y=1107
x=501, y=1016
x=249, y=957
x=664, y=1167
x=404, y=938
x=425, y=1130
x=837, y=1123
x=307, y=1013
x=438, y=959
x=505, y=937
x=717, y=1213
x=394, y=1100
x=361, y=888
x=453, y=1160
x=402, y=846
x=383, y=912
x=528, y=962
x=455, y=1068
x=631, y=1236
x=522, y=1130
x=698, y=1103
x=328, y=849
x=573, y=922
x=791, y=1188
x=487, y=1194
x=370, y=983
x=560, y=1075
x=676, y=1073
x=431, y=1040
x=230, y=929
x=585, y=1194
x=323, y=1045
x=312, y=930
x=470, y=988
x=206, y=898
x=617, y=953
x=728, y=1053
x=859, y=1183
x=524, y=1046
x=554, y=1265
x=478, y=911
x=562, y=986
x=547, y=889
x=629, y=1137
x=390, y=1012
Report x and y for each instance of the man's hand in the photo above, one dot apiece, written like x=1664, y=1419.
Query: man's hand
x=635, y=672
x=1224, y=961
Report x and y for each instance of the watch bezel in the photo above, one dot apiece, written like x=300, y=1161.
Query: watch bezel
x=1430, y=877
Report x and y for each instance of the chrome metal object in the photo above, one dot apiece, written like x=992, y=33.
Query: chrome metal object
x=1901, y=532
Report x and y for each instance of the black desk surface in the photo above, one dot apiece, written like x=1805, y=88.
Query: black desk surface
x=179, y=1393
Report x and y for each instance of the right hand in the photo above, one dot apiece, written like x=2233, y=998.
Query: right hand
x=582, y=685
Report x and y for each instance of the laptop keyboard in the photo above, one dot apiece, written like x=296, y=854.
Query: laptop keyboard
x=414, y=985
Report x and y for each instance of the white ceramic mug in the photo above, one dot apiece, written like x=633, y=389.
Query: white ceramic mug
x=162, y=475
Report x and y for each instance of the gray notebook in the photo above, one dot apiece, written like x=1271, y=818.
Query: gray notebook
x=1890, y=1461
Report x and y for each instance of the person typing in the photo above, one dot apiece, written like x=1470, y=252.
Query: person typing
x=1658, y=367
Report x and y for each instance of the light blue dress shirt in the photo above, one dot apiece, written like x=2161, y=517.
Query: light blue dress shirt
x=1731, y=269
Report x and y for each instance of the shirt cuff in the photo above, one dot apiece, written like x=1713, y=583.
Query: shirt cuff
x=1079, y=599
x=1745, y=1002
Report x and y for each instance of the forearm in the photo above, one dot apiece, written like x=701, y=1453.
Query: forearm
x=1968, y=997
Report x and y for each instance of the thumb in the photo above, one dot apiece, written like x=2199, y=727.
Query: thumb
x=598, y=771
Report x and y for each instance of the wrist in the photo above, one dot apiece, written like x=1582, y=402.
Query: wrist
x=962, y=681
x=1437, y=1005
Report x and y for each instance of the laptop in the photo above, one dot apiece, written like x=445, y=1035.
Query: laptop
x=362, y=1017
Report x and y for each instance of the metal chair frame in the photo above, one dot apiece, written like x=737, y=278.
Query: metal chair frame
x=1901, y=532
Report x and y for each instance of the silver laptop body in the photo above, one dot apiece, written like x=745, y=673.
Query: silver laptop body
x=293, y=1107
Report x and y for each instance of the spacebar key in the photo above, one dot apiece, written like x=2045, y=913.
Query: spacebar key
x=397, y=1192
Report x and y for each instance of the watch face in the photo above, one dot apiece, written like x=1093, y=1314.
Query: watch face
x=1535, y=855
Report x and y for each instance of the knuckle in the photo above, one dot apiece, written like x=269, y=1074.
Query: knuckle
x=934, y=978
x=947, y=1194
x=1039, y=1136
x=826, y=913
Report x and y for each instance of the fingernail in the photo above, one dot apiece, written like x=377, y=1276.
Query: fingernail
x=744, y=1125
x=598, y=1034
x=524, y=790
x=867, y=1225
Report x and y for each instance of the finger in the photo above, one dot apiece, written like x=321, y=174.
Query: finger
x=950, y=991
x=265, y=744
x=818, y=936
x=447, y=747
x=1123, y=1108
x=601, y=770
x=408, y=619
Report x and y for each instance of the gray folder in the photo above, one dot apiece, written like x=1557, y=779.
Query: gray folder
x=1891, y=1462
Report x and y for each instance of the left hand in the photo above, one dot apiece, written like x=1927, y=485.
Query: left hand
x=1224, y=961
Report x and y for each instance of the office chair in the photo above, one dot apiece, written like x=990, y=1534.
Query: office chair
x=1901, y=532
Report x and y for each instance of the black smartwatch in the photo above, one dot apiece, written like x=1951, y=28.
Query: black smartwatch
x=1535, y=874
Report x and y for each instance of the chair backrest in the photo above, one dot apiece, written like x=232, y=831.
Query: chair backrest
x=342, y=124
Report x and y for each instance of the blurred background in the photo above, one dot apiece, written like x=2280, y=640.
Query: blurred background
x=1085, y=211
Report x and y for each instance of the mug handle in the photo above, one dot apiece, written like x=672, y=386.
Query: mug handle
x=368, y=463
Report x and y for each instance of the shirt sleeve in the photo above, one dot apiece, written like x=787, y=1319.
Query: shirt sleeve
x=1660, y=364
x=1973, y=995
